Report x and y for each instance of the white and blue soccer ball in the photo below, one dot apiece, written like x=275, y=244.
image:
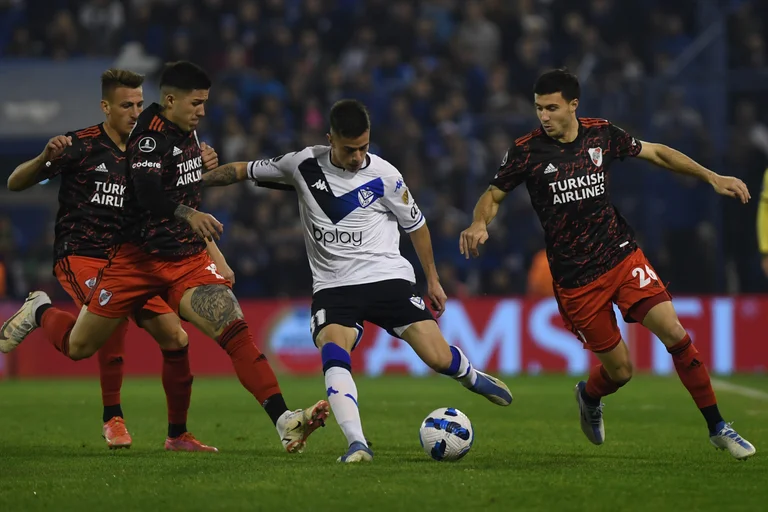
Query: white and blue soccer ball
x=446, y=434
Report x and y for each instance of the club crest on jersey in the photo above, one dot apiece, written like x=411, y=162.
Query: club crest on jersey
x=365, y=196
x=90, y=283
x=596, y=154
x=418, y=302
x=147, y=144
x=405, y=196
x=104, y=297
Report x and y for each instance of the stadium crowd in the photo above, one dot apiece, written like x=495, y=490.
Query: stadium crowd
x=448, y=84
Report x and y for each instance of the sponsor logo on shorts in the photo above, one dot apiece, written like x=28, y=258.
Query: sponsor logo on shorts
x=418, y=302
x=90, y=283
x=104, y=297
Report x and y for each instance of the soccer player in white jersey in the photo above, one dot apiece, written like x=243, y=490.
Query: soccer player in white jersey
x=351, y=203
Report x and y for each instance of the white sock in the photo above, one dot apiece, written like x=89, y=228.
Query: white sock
x=467, y=374
x=342, y=395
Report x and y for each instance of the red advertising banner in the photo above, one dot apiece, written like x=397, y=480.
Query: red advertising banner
x=501, y=335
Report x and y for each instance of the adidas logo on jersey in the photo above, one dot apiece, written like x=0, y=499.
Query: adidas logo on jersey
x=320, y=185
x=550, y=169
x=102, y=167
x=176, y=151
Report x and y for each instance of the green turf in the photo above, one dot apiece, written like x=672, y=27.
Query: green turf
x=530, y=456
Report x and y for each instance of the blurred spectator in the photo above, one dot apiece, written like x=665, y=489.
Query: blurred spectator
x=448, y=84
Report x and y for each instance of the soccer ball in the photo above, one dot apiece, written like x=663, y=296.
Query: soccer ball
x=446, y=434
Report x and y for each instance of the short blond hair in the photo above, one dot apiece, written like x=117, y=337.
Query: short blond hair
x=113, y=78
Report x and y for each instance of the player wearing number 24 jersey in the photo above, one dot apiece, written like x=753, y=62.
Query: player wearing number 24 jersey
x=351, y=204
x=592, y=253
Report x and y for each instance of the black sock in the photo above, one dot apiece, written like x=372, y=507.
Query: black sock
x=712, y=416
x=589, y=399
x=39, y=312
x=176, y=429
x=275, y=407
x=110, y=411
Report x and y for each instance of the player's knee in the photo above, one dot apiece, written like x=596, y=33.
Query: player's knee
x=177, y=340
x=622, y=373
x=440, y=359
x=79, y=351
x=671, y=332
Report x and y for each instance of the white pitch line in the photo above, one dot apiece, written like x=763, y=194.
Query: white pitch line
x=740, y=390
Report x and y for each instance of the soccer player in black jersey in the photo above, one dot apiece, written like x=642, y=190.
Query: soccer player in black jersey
x=593, y=255
x=163, y=251
x=92, y=166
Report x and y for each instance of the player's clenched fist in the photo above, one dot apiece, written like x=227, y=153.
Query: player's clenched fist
x=206, y=226
x=472, y=237
x=56, y=147
x=210, y=158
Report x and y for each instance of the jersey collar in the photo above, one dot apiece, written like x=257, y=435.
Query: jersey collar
x=573, y=143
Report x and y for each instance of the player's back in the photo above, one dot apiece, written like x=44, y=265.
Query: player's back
x=350, y=219
x=568, y=184
x=159, y=149
x=91, y=193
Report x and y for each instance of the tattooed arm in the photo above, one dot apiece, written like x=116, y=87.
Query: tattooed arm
x=226, y=174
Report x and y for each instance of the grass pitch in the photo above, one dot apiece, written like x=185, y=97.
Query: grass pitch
x=529, y=456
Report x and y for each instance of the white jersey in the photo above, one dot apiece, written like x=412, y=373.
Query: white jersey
x=350, y=219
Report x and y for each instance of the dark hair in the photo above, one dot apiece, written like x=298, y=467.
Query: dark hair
x=558, y=80
x=349, y=118
x=185, y=76
x=113, y=78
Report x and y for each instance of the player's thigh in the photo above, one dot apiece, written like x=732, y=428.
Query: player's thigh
x=196, y=271
x=395, y=305
x=336, y=316
x=662, y=321
x=90, y=333
x=165, y=328
x=588, y=313
x=429, y=344
x=124, y=285
x=642, y=297
x=77, y=275
x=210, y=308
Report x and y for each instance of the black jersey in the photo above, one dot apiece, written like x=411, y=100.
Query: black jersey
x=568, y=184
x=158, y=146
x=91, y=194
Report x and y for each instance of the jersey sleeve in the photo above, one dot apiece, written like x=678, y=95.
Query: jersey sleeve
x=622, y=143
x=399, y=200
x=512, y=171
x=277, y=170
x=67, y=161
x=145, y=153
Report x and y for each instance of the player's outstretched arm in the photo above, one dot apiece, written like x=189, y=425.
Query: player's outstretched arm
x=485, y=211
x=668, y=158
x=422, y=242
x=226, y=174
x=28, y=173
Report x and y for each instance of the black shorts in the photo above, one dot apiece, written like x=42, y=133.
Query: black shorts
x=393, y=305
